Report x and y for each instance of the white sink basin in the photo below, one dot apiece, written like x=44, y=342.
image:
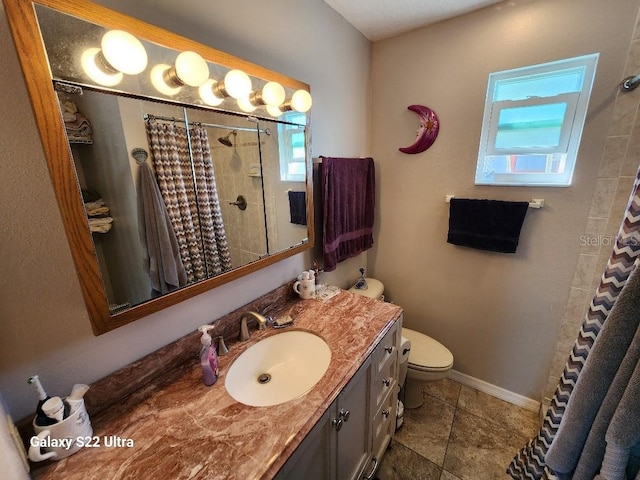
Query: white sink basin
x=278, y=369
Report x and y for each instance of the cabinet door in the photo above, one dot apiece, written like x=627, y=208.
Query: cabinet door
x=312, y=460
x=353, y=438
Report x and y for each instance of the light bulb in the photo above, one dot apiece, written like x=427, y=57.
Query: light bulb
x=301, y=101
x=274, y=111
x=207, y=94
x=191, y=69
x=246, y=105
x=237, y=84
x=159, y=74
x=273, y=94
x=92, y=68
x=124, y=52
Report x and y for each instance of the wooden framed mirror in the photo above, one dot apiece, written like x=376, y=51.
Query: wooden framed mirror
x=99, y=136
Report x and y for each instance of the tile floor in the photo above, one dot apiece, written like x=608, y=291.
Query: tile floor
x=458, y=434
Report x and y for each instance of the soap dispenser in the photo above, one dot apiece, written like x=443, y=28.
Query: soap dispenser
x=208, y=357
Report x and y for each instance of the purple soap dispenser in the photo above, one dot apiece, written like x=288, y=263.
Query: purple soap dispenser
x=208, y=357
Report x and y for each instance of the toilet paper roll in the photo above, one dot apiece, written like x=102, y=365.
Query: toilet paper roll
x=12, y=455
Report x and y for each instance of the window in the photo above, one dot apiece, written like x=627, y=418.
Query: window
x=533, y=119
x=292, y=147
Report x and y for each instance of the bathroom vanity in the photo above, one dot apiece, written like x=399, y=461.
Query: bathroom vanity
x=175, y=427
x=358, y=426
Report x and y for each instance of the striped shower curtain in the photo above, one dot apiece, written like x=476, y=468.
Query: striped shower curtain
x=529, y=463
x=194, y=207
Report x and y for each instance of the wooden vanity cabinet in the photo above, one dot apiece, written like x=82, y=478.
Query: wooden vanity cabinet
x=350, y=438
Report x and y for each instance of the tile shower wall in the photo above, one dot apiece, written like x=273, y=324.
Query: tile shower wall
x=618, y=166
x=245, y=228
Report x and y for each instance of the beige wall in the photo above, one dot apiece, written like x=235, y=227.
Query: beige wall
x=499, y=314
x=44, y=327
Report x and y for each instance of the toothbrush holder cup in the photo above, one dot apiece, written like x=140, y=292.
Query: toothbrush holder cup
x=61, y=439
x=305, y=288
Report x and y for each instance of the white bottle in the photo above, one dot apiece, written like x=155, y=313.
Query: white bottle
x=208, y=357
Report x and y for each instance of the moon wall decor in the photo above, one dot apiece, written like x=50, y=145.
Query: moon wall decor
x=427, y=132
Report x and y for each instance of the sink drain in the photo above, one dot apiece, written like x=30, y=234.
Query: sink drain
x=264, y=378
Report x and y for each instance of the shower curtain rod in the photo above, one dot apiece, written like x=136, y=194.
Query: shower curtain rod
x=146, y=116
x=630, y=83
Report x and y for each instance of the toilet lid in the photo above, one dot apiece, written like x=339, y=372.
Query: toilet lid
x=427, y=352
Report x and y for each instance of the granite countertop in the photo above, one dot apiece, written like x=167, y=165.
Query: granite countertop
x=179, y=428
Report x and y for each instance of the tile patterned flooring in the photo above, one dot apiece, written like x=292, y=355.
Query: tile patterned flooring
x=458, y=434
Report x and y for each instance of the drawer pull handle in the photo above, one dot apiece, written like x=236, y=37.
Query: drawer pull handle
x=389, y=349
x=385, y=413
x=373, y=469
x=387, y=382
x=344, y=414
x=336, y=423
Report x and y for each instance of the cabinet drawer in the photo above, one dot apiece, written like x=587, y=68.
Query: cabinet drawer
x=384, y=424
x=385, y=381
x=387, y=349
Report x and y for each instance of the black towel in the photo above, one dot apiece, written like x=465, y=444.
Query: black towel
x=491, y=225
x=298, y=207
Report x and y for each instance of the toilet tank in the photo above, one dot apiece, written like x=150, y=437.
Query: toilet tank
x=375, y=289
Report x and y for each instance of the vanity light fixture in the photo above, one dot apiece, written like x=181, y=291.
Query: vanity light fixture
x=246, y=105
x=159, y=74
x=119, y=53
x=123, y=52
x=273, y=111
x=300, y=102
x=236, y=84
x=189, y=69
x=96, y=71
x=272, y=94
x=207, y=93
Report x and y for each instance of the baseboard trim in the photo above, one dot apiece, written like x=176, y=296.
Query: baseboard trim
x=494, y=391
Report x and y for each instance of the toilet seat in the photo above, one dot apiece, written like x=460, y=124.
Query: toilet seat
x=427, y=354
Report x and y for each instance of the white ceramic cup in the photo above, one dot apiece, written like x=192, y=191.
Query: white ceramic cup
x=70, y=434
x=305, y=288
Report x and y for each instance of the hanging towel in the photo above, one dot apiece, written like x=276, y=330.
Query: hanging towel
x=491, y=225
x=298, y=207
x=604, y=407
x=348, y=201
x=159, y=242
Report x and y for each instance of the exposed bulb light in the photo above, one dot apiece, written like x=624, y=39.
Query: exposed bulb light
x=159, y=75
x=123, y=52
x=272, y=94
x=236, y=84
x=273, y=111
x=246, y=105
x=96, y=69
x=301, y=101
x=191, y=69
x=207, y=94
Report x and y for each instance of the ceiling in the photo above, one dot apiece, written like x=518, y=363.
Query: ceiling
x=380, y=19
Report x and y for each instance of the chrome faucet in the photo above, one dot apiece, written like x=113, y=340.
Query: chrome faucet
x=244, y=329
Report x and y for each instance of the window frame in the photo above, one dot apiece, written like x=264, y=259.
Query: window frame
x=571, y=131
x=286, y=130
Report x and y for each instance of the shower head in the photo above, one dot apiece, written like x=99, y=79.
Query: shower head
x=226, y=141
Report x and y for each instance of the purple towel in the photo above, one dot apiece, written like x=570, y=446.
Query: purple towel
x=348, y=202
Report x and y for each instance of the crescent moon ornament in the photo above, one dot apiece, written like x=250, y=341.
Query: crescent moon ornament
x=427, y=132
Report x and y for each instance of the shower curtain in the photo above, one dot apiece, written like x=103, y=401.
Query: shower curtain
x=529, y=463
x=194, y=208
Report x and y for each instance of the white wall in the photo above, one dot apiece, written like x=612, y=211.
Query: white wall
x=499, y=314
x=44, y=327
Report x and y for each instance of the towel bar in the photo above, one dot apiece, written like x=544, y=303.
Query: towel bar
x=534, y=203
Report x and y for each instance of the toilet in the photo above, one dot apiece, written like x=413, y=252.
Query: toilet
x=422, y=359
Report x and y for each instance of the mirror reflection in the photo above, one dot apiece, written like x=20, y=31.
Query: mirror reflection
x=177, y=195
